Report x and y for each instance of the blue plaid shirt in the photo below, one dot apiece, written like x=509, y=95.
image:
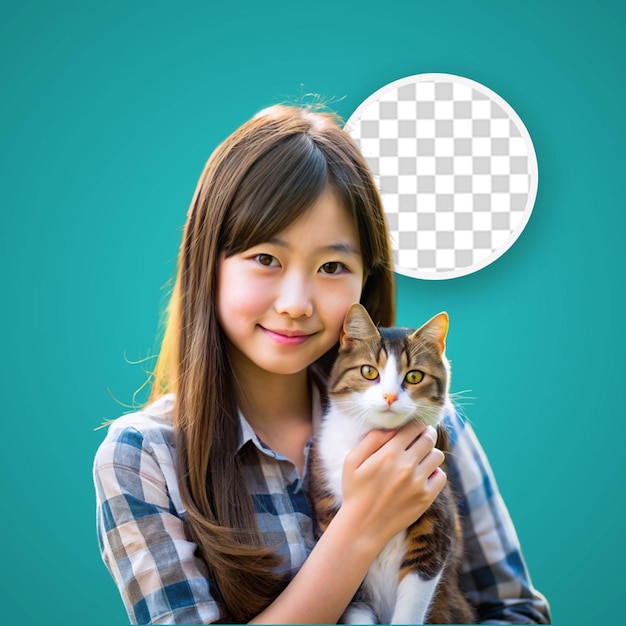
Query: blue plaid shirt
x=140, y=523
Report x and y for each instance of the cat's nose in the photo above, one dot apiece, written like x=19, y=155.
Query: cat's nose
x=390, y=397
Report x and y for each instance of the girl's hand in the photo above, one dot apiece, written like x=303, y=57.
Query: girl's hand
x=390, y=479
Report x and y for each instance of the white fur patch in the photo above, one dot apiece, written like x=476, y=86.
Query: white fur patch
x=381, y=581
x=414, y=598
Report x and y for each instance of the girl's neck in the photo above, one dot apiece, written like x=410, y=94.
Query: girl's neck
x=275, y=401
x=279, y=410
x=272, y=401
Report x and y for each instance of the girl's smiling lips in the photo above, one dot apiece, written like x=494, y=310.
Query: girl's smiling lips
x=287, y=337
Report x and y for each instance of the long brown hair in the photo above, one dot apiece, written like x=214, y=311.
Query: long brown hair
x=255, y=184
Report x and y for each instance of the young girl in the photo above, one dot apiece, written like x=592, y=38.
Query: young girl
x=202, y=507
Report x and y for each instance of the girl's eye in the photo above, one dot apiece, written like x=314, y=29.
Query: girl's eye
x=334, y=267
x=414, y=377
x=266, y=260
x=369, y=373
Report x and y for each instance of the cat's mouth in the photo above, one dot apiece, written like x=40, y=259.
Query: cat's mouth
x=393, y=416
x=390, y=420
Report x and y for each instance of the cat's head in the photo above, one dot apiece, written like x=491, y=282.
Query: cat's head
x=385, y=377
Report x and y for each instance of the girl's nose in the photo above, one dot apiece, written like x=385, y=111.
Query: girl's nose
x=295, y=298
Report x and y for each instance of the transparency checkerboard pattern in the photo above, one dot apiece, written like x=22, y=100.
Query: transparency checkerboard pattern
x=456, y=169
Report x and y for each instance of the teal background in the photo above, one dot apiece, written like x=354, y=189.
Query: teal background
x=107, y=115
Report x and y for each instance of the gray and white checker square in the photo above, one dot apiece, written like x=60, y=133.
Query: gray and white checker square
x=456, y=170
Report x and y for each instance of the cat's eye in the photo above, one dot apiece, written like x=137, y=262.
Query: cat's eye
x=369, y=373
x=414, y=377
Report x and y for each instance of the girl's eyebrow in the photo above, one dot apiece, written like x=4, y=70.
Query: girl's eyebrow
x=342, y=247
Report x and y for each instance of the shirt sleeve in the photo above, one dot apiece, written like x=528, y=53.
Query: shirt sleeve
x=494, y=575
x=142, y=537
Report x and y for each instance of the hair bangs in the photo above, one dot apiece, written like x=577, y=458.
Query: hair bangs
x=357, y=192
x=277, y=189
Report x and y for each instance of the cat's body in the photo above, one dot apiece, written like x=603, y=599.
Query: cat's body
x=384, y=378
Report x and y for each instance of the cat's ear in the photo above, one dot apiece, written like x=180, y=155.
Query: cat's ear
x=357, y=325
x=435, y=329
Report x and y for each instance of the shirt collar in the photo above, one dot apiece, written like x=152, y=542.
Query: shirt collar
x=247, y=434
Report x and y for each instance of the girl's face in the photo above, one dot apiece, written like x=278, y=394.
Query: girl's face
x=282, y=303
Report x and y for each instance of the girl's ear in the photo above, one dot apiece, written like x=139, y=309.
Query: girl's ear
x=436, y=329
x=356, y=325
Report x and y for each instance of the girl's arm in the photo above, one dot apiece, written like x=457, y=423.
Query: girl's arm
x=494, y=578
x=141, y=536
x=385, y=488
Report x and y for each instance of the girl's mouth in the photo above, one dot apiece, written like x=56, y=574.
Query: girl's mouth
x=286, y=337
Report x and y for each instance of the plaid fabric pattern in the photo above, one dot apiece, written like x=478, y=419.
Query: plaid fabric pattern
x=494, y=577
x=140, y=522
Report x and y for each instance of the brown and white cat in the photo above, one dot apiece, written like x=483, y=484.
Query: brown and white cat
x=383, y=378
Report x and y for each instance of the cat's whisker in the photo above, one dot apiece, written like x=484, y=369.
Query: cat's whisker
x=460, y=410
x=460, y=397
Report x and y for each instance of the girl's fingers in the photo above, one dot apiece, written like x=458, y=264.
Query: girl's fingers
x=430, y=465
x=414, y=432
x=371, y=443
x=437, y=481
x=416, y=441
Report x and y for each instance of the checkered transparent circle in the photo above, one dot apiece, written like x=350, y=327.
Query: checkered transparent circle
x=456, y=169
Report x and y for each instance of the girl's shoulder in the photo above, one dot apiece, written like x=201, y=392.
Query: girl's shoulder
x=134, y=436
x=154, y=422
x=454, y=422
x=137, y=454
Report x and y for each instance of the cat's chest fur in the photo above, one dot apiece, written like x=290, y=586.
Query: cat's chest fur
x=334, y=442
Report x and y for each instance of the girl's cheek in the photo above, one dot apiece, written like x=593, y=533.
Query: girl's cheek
x=233, y=293
x=344, y=299
x=243, y=298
